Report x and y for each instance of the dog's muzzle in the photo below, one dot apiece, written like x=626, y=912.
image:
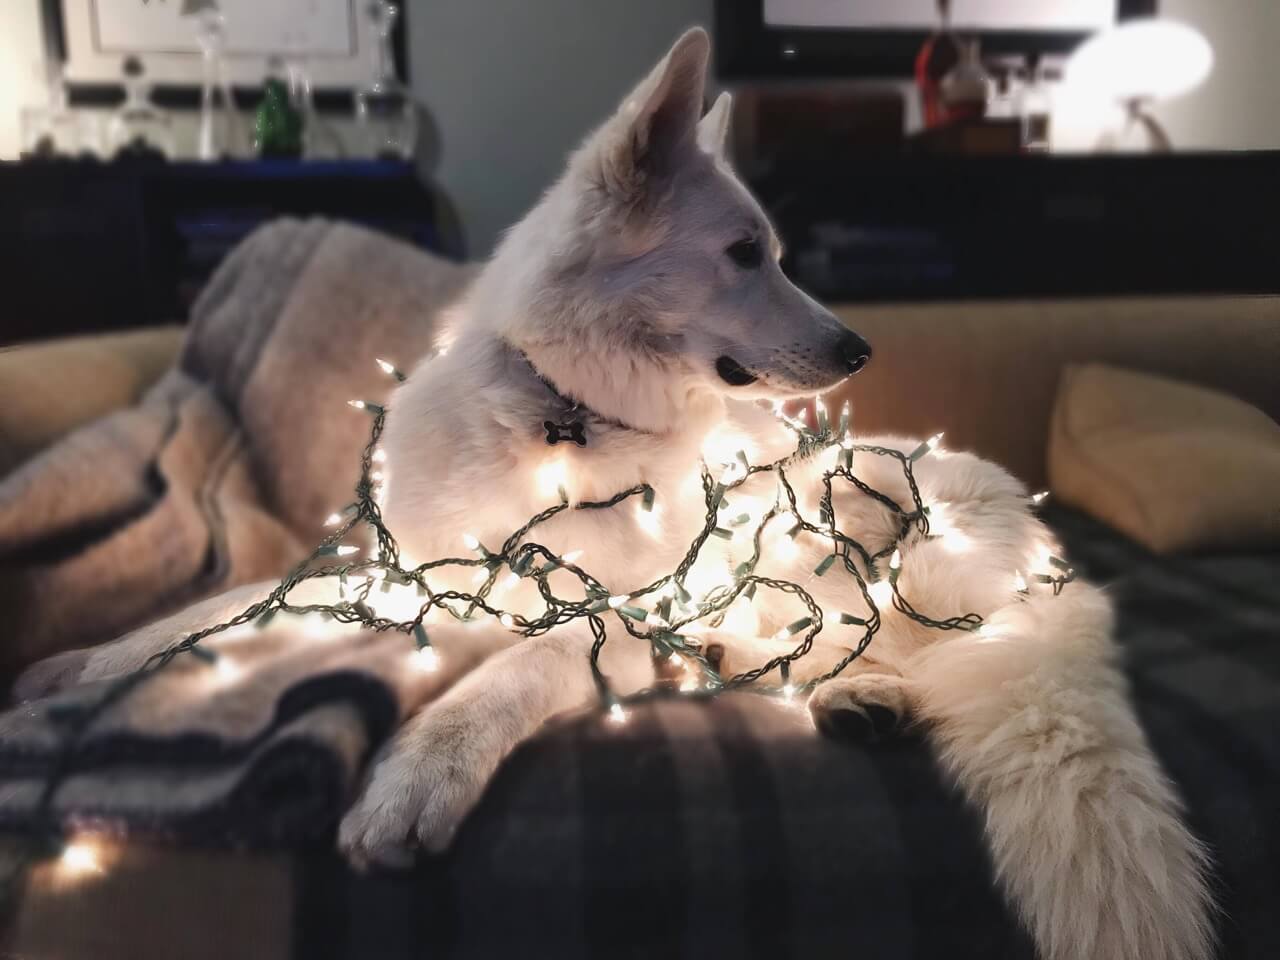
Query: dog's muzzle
x=734, y=373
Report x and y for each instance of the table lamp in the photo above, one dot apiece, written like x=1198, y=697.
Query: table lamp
x=1135, y=64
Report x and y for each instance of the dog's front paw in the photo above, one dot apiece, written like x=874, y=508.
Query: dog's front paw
x=865, y=708
x=419, y=790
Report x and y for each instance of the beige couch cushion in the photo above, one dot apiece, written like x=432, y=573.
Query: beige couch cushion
x=987, y=372
x=1174, y=466
x=48, y=389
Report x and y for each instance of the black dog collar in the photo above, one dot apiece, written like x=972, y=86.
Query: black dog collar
x=571, y=425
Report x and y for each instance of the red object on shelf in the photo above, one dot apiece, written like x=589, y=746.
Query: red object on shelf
x=940, y=55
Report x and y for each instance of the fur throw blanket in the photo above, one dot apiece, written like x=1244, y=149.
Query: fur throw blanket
x=212, y=481
x=223, y=475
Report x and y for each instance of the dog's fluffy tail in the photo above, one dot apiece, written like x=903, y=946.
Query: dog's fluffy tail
x=1033, y=720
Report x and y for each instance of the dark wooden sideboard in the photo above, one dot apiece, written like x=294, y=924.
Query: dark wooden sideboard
x=88, y=246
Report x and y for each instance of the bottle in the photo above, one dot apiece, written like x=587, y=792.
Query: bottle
x=1034, y=109
x=967, y=87
x=386, y=118
x=277, y=125
x=940, y=55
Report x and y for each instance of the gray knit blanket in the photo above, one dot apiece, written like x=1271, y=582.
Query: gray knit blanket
x=222, y=475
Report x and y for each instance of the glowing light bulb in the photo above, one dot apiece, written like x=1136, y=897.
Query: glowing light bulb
x=925, y=448
x=313, y=625
x=426, y=659
x=442, y=352
x=895, y=562
x=881, y=592
x=228, y=670
x=376, y=476
x=1039, y=498
x=788, y=691
x=1019, y=581
x=552, y=478
x=618, y=601
x=346, y=550
x=787, y=548
x=990, y=632
x=689, y=684
x=507, y=620
x=333, y=520
x=650, y=521
x=470, y=541
x=677, y=660
x=78, y=858
x=617, y=714
x=379, y=456
x=511, y=580
x=480, y=576
x=573, y=556
x=358, y=404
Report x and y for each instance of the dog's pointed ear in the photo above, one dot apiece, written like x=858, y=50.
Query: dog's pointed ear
x=658, y=120
x=713, y=129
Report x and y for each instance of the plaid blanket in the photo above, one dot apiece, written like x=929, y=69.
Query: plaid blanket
x=725, y=830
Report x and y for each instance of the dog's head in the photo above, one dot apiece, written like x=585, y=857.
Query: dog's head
x=650, y=245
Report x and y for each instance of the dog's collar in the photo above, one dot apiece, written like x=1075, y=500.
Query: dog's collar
x=570, y=424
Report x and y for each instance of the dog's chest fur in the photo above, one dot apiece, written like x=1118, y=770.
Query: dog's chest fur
x=467, y=454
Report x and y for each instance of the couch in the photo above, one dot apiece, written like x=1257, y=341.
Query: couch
x=726, y=829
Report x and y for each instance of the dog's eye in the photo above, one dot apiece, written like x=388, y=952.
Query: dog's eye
x=745, y=253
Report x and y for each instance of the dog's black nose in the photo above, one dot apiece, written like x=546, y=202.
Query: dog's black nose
x=854, y=351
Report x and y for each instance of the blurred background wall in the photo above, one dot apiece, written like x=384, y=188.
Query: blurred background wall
x=513, y=86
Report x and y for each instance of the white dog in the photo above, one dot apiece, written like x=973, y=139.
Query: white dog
x=639, y=310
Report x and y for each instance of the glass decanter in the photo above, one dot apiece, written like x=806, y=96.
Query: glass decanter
x=386, y=118
x=139, y=127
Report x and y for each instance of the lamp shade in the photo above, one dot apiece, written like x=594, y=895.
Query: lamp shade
x=1141, y=60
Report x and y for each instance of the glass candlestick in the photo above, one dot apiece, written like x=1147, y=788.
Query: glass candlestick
x=386, y=119
x=220, y=134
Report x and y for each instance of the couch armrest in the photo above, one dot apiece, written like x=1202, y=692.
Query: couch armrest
x=48, y=389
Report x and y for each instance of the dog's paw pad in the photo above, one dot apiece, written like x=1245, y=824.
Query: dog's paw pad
x=857, y=723
x=858, y=711
x=850, y=723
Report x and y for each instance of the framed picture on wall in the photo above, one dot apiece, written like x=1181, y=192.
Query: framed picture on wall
x=335, y=38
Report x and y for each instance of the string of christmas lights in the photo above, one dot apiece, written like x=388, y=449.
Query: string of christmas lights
x=661, y=613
